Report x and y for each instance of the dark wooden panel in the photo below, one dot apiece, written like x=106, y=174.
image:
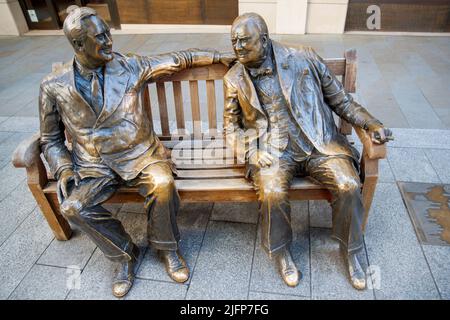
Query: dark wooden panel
x=401, y=15
x=178, y=11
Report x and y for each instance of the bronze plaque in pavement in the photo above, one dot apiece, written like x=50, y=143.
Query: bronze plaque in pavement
x=428, y=207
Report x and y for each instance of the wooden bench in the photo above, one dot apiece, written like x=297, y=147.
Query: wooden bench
x=215, y=181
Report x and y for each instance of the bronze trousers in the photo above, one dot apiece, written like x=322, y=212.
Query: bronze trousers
x=155, y=183
x=337, y=174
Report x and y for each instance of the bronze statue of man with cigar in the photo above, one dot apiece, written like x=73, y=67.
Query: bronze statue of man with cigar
x=279, y=104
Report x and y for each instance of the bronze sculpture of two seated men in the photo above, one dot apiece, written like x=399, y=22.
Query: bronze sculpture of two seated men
x=286, y=95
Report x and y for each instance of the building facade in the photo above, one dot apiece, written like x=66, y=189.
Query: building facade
x=283, y=16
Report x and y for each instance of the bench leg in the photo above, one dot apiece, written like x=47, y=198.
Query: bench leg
x=370, y=169
x=56, y=221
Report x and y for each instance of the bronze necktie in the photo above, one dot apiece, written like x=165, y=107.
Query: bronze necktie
x=96, y=94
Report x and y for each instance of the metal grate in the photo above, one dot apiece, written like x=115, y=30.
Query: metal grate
x=428, y=205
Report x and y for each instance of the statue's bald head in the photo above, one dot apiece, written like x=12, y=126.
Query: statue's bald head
x=253, y=19
x=250, y=39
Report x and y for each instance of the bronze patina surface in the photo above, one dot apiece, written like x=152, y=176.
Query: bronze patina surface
x=428, y=206
x=279, y=104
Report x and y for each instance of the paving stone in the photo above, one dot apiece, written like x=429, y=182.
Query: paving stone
x=3, y=134
x=156, y=290
x=74, y=253
x=236, y=212
x=409, y=164
x=3, y=119
x=9, y=144
x=224, y=263
x=265, y=274
x=14, y=209
x=114, y=208
x=136, y=226
x=44, y=283
x=438, y=258
x=385, y=171
x=320, y=214
x=21, y=124
x=192, y=221
x=393, y=247
x=11, y=178
x=440, y=160
x=133, y=207
x=21, y=250
x=420, y=138
x=254, y=295
x=329, y=275
x=95, y=280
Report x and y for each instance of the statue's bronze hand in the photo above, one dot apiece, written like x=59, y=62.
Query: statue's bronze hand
x=379, y=133
x=261, y=158
x=65, y=178
x=227, y=58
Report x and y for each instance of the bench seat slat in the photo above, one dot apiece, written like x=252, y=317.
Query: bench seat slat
x=217, y=184
x=213, y=173
x=215, y=190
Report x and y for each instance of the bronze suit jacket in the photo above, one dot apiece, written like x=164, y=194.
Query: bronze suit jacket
x=312, y=93
x=121, y=138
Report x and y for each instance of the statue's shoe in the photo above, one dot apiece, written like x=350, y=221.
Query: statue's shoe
x=356, y=272
x=125, y=275
x=175, y=265
x=287, y=268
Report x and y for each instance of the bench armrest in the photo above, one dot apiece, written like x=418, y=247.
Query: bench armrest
x=370, y=149
x=27, y=152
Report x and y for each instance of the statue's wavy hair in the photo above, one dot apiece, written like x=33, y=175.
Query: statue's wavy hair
x=74, y=26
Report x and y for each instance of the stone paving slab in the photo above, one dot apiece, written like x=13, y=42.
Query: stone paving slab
x=254, y=295
x=19, y=253
x=43, y=283
x=265, y=276
x=21, y=124
x=438, y=260
x=156, y=290
x=11, y=178
x=440, y=160
x=15, y=208
x=329, y=275
x=320, y=214
x=95, y=280
x=9, y=144
x=392, y=245
x=411, y=164
x=192, y=222
x=74, y=253
x=224, y=264
x=236, y=212
x=420, y=138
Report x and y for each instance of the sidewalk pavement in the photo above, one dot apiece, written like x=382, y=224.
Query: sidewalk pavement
x=402, y=80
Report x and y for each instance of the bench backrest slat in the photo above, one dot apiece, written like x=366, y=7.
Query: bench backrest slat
x=195, y=108
x=211, y=98
x=345, y=67
x=178, y=99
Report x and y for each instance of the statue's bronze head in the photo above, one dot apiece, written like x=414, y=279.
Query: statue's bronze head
x=250, y=39
x=89, y=35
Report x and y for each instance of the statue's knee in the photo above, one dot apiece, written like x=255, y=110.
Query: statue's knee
x=71, y=209
x=164, y=183
x=348, y=185
x=272, y=191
